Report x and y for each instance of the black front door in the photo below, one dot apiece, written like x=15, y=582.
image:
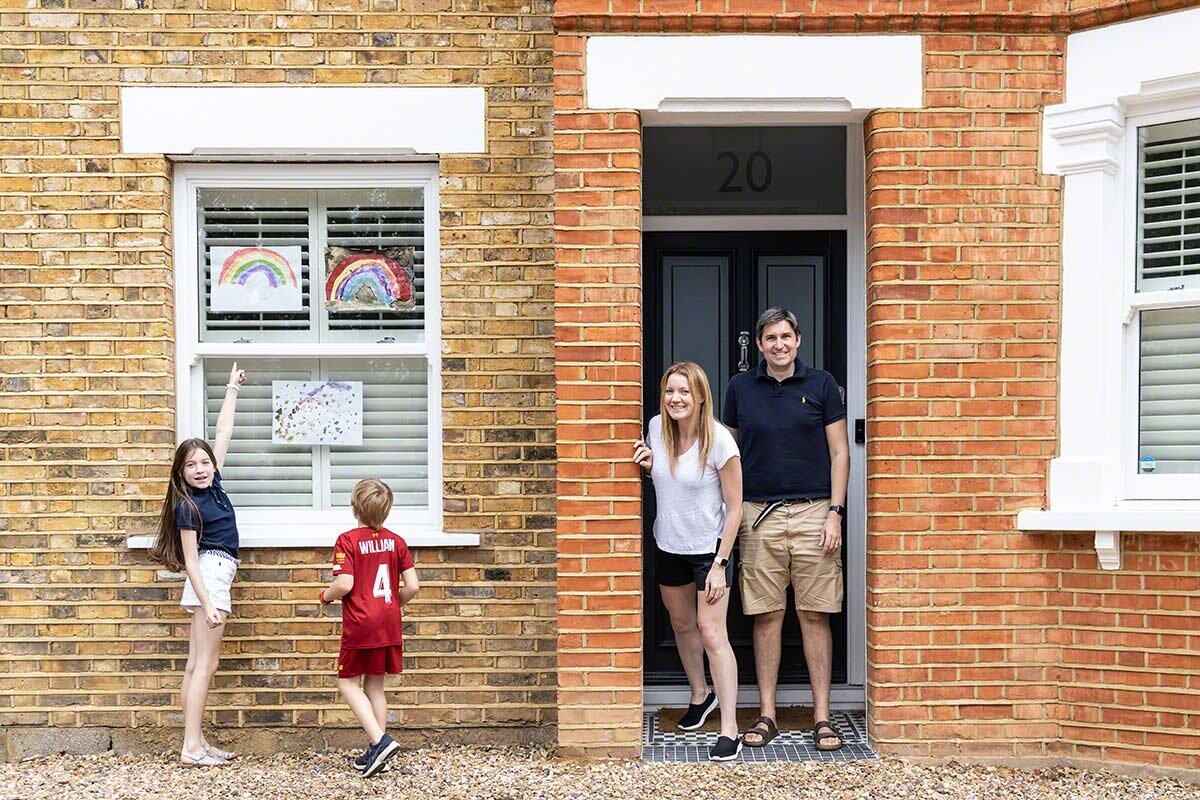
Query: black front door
x=702, y=295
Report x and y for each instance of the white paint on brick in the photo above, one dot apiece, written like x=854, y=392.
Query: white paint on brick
x=736, y=76
x=302, y=120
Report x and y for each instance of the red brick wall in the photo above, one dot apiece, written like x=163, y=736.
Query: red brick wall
x=598, y=336
x=964, y=636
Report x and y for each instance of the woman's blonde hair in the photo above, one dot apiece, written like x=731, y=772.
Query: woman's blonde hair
x=703, y=405
x=371, y=501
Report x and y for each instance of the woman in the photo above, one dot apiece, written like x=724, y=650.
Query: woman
x=697, y=474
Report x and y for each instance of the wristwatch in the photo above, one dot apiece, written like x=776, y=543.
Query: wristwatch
x=841, y=510
x=724, y=562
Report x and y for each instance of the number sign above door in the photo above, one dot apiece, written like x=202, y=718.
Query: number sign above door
x=758, y=170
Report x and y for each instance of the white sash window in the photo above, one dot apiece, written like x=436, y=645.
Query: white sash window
x=299, y=494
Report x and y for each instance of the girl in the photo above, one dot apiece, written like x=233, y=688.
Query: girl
x=198, y=532
x=697, y=474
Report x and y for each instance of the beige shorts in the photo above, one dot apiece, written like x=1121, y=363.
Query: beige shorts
x=786, y=548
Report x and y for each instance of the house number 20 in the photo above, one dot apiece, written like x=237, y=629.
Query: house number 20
x=757, y=173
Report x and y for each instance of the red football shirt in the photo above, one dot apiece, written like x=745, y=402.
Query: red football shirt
x=371, y=611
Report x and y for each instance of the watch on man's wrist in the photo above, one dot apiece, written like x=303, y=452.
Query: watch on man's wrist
x=841, y=510
x=724, y=562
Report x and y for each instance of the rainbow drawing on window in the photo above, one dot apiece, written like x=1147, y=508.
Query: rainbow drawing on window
x=369, y=280
x=255, y=279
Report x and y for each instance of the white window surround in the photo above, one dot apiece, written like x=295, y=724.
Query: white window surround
x=302, y=121
x=754, y=79
x=1122, y=76
x=264, y=527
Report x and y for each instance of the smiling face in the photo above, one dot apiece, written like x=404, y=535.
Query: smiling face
x=779, y=344
x=678, y=400
x=198, y=469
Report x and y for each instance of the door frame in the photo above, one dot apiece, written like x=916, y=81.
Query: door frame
x=851, y=695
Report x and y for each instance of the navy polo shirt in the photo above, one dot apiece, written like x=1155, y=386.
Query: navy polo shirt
x=219, y=531
x=781, y=431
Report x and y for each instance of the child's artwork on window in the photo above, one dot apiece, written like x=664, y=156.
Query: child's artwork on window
x=317, y=412
x=255, y=279
x=369, y=280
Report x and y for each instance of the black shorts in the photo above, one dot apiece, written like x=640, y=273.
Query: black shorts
x=674, y=569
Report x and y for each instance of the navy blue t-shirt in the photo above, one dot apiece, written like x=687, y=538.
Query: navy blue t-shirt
x=781, y=431
x=219, y=531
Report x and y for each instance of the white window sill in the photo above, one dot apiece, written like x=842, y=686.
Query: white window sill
x=251, y=536
x=1131, y=516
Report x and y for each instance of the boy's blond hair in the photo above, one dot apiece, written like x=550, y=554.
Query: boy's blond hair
x=371, y=501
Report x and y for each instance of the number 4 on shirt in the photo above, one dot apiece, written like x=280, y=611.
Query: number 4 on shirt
x=383, y=584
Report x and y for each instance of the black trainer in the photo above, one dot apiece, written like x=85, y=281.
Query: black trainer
x=697, y=713
x=379, y=753
x=725, y=749
x=360, y=763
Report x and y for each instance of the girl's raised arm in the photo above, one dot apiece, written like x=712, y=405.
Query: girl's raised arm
x=225, y=419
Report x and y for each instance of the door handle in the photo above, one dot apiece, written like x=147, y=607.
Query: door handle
x=744, y=350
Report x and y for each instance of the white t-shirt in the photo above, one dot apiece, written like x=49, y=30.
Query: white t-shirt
x=691, y=510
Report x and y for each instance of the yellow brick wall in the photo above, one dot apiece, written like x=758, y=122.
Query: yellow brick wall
x=91, y=633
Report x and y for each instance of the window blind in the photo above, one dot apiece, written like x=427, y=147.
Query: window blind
x=1169, y=405
x=258, y=472
x=1169, y=205
x=253, y=218
x=395, y=444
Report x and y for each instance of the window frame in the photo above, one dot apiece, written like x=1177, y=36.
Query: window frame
x=282, y=526
x=1135, y=485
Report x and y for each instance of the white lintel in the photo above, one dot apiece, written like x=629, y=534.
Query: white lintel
x=727, y=77
x=302, y=120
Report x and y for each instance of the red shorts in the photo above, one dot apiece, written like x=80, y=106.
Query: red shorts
x=370, y=661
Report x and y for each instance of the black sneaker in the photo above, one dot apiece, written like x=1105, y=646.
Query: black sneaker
x=697, y=713
x=378, y=755
x=360, y=763
x=725, y=749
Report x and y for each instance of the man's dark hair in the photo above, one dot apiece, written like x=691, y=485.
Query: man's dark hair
x=773, y=315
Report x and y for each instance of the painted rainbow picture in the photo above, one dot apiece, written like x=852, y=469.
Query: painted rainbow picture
x=369, y=280
x=255, y=279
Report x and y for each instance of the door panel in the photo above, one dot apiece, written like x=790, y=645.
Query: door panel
x=701, y=290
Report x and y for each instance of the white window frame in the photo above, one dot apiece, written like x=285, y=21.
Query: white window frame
x=291, y=527
x=1119, y=78
x=1137, y=486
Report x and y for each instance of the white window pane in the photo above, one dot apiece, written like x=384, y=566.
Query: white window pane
x=395, y=445
x=1169, y=206
x=259, y=473
x=1169, y=407
x=368, y=219
x=395, y=448
x=244, y=218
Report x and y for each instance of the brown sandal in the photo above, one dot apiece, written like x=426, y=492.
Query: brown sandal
x=819, y=737
x=770, y=732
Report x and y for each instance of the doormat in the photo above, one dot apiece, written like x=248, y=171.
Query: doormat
x=661, y=742
x=789, y=718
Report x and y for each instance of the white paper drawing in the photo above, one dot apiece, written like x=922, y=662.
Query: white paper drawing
x=250, y=280
x=317, y=412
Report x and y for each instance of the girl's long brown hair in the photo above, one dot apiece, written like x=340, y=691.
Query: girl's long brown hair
x=702, y=400
x=168, y=547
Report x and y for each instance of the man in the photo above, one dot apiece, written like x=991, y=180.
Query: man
x=790, y=423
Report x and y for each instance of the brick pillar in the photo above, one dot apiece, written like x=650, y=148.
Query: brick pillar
x=598, y=352
x=964, y=629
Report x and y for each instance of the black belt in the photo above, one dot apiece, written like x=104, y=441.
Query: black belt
x=774, y=504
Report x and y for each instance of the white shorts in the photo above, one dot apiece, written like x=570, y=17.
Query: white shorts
x=217, y=569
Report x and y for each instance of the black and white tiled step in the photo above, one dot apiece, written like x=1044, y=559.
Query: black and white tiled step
x=790, y=745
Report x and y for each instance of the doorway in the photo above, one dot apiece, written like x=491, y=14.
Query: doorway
x=703, y=294
x=711, y=264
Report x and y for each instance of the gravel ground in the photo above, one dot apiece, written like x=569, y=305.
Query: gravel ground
x=495, y=773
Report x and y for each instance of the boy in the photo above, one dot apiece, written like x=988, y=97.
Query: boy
x=374, y=576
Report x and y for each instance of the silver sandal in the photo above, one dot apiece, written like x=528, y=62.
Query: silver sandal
x=205, y=759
